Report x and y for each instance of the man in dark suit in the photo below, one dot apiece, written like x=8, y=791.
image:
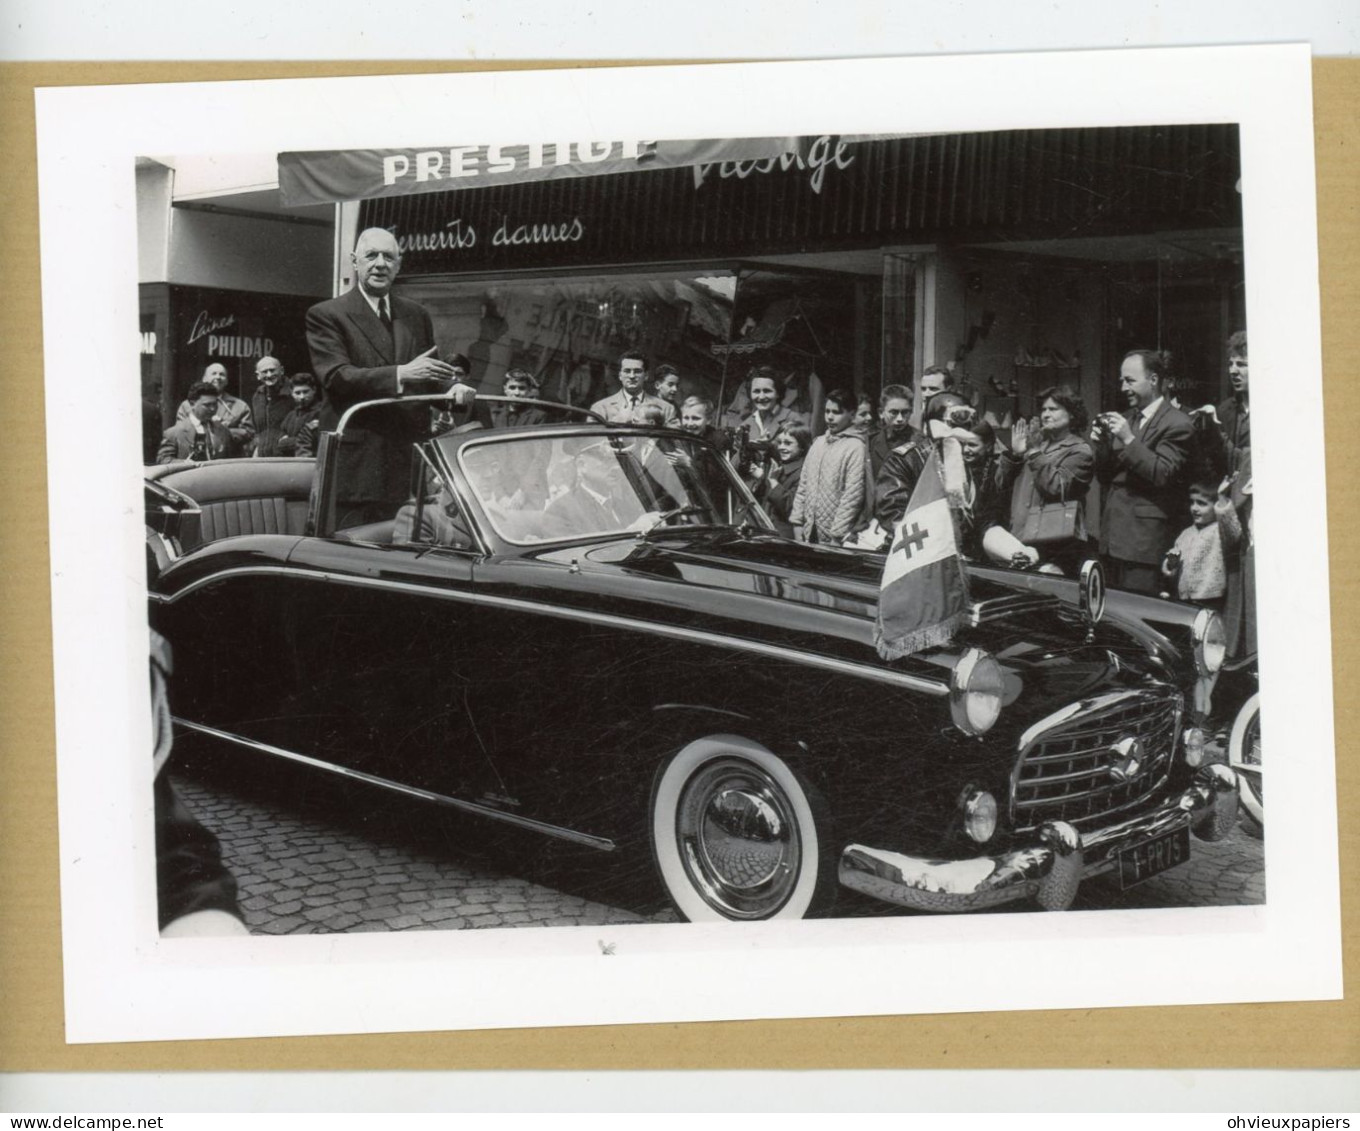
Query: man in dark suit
x=365, y=345
x=1140, y=459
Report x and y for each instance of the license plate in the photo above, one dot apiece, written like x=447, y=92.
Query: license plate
x=1144, y=860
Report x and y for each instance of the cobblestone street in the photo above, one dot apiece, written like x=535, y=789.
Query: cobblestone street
x=315, y=857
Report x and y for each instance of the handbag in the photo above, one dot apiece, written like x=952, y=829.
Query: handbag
x=1050, y=522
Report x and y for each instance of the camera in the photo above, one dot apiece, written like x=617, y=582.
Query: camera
x=759, y=452
x=743, y=451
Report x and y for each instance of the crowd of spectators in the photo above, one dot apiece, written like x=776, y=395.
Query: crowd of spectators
x=1173, y=486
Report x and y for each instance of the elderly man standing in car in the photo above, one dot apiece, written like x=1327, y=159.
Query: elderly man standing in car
x=369, y=344
x=1140, y=461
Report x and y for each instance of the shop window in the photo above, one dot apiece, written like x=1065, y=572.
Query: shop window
x=571, y=332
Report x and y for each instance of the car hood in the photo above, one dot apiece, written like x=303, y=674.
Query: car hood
x=826, y=598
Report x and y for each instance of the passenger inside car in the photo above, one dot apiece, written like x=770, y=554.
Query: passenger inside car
x=436, y=521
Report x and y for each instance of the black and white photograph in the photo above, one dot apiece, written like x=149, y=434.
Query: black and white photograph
x=791, y=547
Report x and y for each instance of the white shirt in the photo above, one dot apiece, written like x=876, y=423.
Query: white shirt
x=1147, y=412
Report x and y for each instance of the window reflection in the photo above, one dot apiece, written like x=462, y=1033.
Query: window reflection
x=561, y=488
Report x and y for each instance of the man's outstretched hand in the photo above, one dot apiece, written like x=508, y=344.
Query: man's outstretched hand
x=424, y=374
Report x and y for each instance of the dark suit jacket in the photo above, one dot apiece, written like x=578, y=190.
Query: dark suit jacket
x=1235, y=429
x=501, y=416
x=268, y=414
x=1144, y=483
x=356, y=360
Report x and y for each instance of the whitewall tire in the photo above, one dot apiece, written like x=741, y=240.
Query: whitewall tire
x=738, y=835
x=1244, y=758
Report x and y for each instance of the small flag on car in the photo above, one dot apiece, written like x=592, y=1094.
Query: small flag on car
x=924, y=594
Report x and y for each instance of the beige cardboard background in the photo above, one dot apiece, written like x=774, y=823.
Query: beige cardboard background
x=31, y=1033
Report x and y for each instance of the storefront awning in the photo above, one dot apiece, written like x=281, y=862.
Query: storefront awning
x=325, y=176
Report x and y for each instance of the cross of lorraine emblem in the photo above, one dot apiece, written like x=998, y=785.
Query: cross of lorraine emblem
x=915, y=540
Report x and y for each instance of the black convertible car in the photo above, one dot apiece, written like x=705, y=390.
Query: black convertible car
x=593, y=631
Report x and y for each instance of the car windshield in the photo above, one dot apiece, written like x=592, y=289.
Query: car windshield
x=557, y=488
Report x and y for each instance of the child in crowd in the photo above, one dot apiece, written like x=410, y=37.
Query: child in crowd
x=696, y=418
x=864, y=415
x=1196, y=561
x=649, y=414
x=834, y=488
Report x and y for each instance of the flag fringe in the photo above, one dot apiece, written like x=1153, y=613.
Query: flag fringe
x=931, y=636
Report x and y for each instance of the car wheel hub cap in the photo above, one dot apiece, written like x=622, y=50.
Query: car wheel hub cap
x=738, y=840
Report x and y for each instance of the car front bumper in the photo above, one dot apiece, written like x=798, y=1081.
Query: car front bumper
x=1049, y=871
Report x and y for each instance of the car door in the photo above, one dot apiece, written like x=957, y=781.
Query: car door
x=384, y=679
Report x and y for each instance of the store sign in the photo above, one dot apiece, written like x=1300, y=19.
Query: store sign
x=460, y=235
x=325, y=176
x=206, y=325
x=206, y=328
x=223, y=345
x=821, y=155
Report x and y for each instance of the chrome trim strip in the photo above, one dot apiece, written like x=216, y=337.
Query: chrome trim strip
x=675, y=632
x=602, y=843
x=998, y=608
x=443, y=398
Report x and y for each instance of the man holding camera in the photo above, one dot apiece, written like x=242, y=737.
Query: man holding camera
x=1141, y=460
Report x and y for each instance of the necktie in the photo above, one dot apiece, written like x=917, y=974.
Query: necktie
x=384, y=314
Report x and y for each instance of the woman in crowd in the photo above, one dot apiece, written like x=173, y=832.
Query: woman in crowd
x=765, y=412
x=985, y=496
x=777, y=487
x=1058, y=467
x=834, y=488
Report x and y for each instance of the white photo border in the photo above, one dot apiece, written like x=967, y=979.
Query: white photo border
x=123, y=983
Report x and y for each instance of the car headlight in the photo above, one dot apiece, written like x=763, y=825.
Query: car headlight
x=979, y=814
x=975, y=689
x=1211, y=641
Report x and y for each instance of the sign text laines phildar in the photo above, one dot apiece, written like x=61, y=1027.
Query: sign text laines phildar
x=226, y=345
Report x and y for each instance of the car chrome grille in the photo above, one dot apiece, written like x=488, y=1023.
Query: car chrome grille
x=1064, y=771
